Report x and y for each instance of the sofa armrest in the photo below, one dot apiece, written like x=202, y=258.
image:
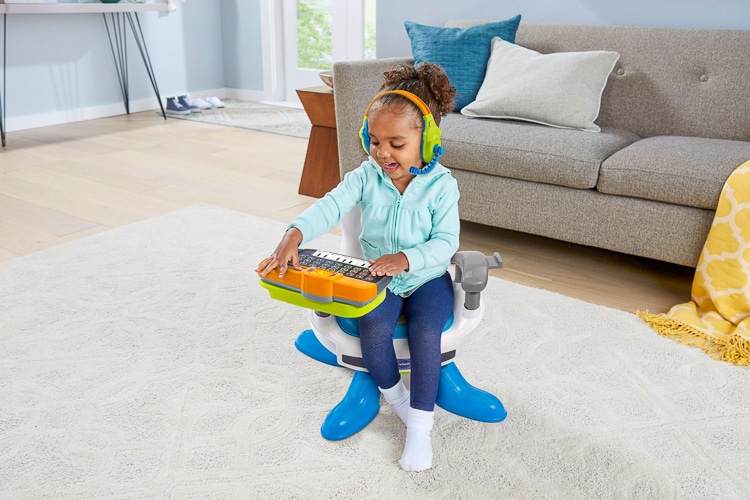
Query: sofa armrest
x=355, y=84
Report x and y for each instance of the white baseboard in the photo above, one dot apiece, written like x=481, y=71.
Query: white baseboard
x=76, y=115
x=255, y=96
x=244, y=95
x=15, y=123
x=285, y=104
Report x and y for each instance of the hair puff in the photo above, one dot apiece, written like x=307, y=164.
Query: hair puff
x=428, y=81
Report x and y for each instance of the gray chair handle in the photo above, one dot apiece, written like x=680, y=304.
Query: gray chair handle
x=472, y=272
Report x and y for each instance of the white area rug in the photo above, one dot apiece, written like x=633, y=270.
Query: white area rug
x=147, y=362
x=255, y=116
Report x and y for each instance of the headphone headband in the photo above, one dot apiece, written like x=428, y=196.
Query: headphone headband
x=412, y=97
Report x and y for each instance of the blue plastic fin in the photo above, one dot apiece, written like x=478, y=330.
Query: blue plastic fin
x=358, y=408
x=308, y=343
x=457, y=396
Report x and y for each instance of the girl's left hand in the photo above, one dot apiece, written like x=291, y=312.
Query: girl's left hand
x=389, y=265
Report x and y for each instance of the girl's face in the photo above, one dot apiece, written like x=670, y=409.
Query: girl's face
x=396, y=143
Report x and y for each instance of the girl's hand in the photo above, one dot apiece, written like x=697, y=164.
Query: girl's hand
x=389, y=265
x=285, y=252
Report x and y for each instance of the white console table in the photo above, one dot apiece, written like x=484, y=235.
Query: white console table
x=121, y=15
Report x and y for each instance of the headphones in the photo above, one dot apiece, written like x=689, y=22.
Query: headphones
x=431, y=148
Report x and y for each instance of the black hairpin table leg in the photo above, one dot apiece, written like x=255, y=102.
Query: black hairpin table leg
x=118, y=45
x=2, y=98
x=141, y=42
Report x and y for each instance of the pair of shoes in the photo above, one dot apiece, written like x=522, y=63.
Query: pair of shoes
x=176, y=108
x=181, y=105
x=201, y=104
x=187, y=103
x=198, y=102
x=215, y=102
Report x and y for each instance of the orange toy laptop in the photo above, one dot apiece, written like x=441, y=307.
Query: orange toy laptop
x=329, y=282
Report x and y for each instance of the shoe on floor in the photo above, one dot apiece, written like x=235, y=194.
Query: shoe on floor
x=183, y=100
x=174, y=107
x=215, y=102
x=200, y=103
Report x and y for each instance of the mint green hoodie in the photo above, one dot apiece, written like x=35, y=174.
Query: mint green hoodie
x=422, y=223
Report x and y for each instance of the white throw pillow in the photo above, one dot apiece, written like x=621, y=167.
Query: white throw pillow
x=561, y=89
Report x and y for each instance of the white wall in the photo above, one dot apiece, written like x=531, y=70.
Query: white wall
x=241, y=38
x=392, y=40
x=59, y=67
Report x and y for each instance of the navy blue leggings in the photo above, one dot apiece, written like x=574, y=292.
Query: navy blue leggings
x=426, y=311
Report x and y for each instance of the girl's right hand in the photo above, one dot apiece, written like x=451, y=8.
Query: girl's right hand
x=285, y=253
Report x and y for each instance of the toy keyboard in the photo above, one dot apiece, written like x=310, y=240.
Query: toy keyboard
x=329, y=282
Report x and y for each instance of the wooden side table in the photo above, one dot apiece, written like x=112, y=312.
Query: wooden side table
x=321, y=171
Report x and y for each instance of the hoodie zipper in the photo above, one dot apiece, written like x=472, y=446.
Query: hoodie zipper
x=394, y=237
x=396, y=214
x=397, y=280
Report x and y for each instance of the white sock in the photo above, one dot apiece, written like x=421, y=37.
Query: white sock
x=398, y=397
x=417, y=454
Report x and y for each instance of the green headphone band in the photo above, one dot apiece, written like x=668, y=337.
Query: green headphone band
x=430, y=130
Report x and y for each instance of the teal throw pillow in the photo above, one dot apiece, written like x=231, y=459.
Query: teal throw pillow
x=461, y=52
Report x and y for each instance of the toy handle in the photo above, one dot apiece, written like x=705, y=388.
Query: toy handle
x=472, y=272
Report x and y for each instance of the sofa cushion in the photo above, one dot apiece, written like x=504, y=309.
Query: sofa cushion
x=462, y=52
x=688, y=171
x=563, y=89
x=528, y=151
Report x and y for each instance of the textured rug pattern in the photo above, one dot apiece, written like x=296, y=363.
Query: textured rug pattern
x=147, y=362
x=255, y=116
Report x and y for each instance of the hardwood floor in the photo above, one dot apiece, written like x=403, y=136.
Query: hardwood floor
x=70, y=181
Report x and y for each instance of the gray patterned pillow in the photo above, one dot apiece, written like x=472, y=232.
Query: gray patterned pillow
x=562, y=89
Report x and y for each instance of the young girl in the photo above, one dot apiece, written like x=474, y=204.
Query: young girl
x=410, y=224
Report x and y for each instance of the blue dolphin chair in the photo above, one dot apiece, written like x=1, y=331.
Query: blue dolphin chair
x=335, y=341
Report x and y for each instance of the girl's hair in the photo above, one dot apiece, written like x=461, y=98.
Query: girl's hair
x=427, y=81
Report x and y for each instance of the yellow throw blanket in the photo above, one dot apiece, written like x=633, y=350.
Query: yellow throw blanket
x=717, y=319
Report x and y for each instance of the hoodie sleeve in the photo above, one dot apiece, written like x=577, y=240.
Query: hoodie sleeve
x=325, y=213
x=444, y=236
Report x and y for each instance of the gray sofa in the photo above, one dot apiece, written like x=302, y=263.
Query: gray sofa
x=675, y=120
